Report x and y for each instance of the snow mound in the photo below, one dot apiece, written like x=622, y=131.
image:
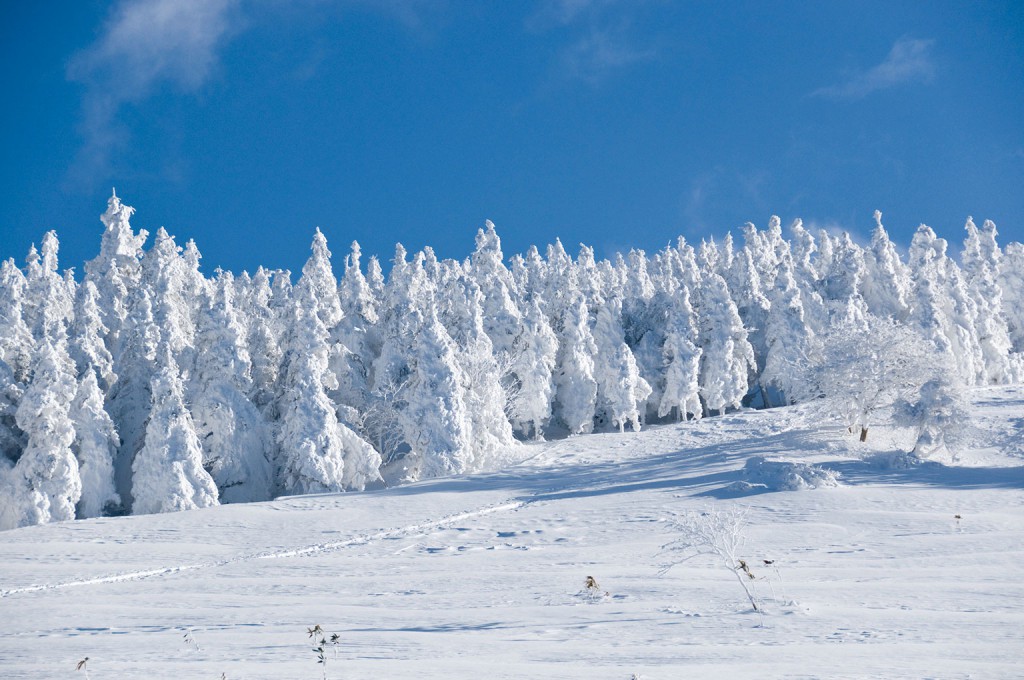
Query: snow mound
x=894, y=460
x=785, y=475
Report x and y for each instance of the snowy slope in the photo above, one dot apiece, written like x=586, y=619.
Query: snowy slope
x=483, y=576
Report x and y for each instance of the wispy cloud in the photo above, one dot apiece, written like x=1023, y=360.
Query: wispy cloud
x=563, y=13
x=909, y=60
x=599, y=37
x=144, y=44
x=597, y=54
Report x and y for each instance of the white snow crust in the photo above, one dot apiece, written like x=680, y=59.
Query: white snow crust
x=900, y=572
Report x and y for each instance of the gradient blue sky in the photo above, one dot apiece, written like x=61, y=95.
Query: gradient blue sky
x=246, y=123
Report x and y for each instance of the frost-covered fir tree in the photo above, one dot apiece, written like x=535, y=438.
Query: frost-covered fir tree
x=787, y=335
x=943, y=309
x=981, y=271
x=130, y=399
x=576, y=384
x=95, y=446
x=1011, y=282
x=487, y=398
x=621, y=392
x=535, y=351
x=318, y=277
x=44, y=485
x=12, y=439
x=887, y=286
x=16, y=341
x=728, y=358
x=436, y=420
x=88, y=348
x=317, y=453
x=235, y=437
x=751, y=303
x=165, y=274
x=356, y=332
x=167, y=472
x=263, y=335
x=501, y=315
x=117, y=269
x=681, y=391
x=48, y=303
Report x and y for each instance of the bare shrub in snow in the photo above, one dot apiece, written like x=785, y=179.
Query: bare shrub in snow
x=718, y=533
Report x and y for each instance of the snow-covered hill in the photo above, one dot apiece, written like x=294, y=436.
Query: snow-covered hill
x=484, y=576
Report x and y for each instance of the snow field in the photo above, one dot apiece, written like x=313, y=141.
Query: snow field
x=483, y=576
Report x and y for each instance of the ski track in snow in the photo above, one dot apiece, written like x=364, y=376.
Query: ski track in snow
x=315, y=549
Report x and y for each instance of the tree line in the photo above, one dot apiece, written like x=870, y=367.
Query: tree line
x=149, y=387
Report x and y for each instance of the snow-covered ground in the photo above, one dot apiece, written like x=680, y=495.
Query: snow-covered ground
x=484, y=576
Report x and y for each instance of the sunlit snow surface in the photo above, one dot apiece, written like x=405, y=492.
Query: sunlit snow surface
x=482, y=577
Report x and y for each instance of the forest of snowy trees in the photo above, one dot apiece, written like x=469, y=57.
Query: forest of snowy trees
x=145, y=386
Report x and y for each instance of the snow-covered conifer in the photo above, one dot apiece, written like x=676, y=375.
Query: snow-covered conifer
x=44, y=484
x=787, y=335
x=130, y=400
x=621, y=392
x=436, y=419
x=535, y=351
x=318, y=277
x=317, y=453
x=167, y=472
x=943, y=305
x=887, y=287
x=48, y=304
x=575, y=381
x=87, y=348
x=728, y=358
x=164, y=275
x=681, y=391
x=16, y=341
x=95, y=446
x=1011, y=282
x=116, y=270
x=235, y=438
x=981, y=270
x=501, y=316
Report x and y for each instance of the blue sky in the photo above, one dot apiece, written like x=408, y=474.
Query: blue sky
x=244, y=124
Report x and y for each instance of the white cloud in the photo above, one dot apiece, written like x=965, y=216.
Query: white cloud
x=598, y=53
x=909, y=60
x=144, y=44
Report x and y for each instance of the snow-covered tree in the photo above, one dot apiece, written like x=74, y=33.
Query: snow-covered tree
x=44, y=485
x=939, y=416
x=95, y=446
x=981, y=271
x=317, y=453
x=859, y=369
x=535, y=351
x=887, y=286
x=1011, y=282
x=681, y=392
x=501, y=316
x=621, y=392
x=48, y=303
x=728, y=358
x=130, y=399
x=436, y=419
x=575, y=381
x=88, y=349
x=943, y=309
x=16, y=341
x=117, y=269
x=167, y=472
x=787, y=335
x=235, y=438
